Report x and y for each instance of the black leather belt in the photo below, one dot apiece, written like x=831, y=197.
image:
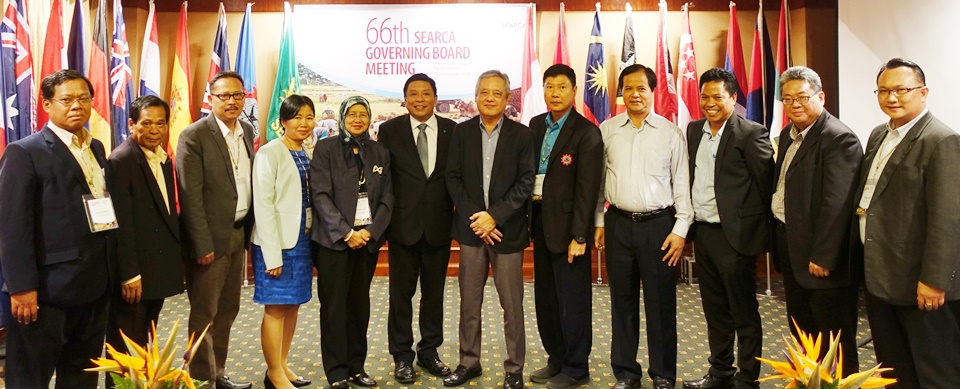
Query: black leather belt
x=638, y=217
x=239, y=223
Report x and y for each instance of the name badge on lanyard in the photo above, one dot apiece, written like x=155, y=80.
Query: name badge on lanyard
x=100, y=213
x=363, y=216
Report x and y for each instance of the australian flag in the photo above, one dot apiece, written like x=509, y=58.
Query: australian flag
x=121, y=86
x=17, y=72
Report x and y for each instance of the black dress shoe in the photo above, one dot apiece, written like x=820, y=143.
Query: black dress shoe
x=342, y=384
x=513, y=381
x=664, y=383
x=363, y=379
x=627, y=383
x=708, y=381
x=403, y=373
x=563, y=381
x=225, y=383
x=543, y=374
x=267, y=384
x=461, y=375
x=300, y=382
x=434, y=366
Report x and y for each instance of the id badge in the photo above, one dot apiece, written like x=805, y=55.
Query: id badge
x=363, y=211
x=538, y=185
x=243, y=192
x=100, y=213
x=308, y=218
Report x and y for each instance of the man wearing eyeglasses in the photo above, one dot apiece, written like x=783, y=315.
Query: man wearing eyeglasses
x=814, y=182
x=908, y=226
x=214, y=161
x=58, y=267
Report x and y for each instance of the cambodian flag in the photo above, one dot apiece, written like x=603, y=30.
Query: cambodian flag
x=596, y=101
x=220, y=60
x=121, y=87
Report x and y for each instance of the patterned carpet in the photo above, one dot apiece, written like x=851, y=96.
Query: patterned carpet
x=245, y=362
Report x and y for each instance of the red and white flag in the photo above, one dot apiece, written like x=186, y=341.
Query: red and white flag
x=628, y=56
x=531, y=89
x=562, y=54
x=687, y=86
x=54, y=53
x=665, y=95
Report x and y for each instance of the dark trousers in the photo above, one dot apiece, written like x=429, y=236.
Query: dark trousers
x=923, y=348
x=408, y=264
x=728, y=284
x=634, y=255
x=135, y=320
x=214, y=292
x=820, y=310
x=343, y=287
x=564, y=302
x=63, y=339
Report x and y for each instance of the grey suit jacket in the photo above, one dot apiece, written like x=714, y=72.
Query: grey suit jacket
x=912, y=222
x=208, y=190
x=818, y=200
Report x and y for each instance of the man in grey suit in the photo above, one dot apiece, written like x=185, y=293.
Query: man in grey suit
x=214, y=162
x=813, y=195
x=908, y=226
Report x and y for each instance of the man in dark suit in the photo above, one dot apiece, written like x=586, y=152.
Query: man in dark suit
x=148, y=252
x=731, y=163
x=490, y=179
x=569, y=160
x=908, y=227
x=812, y=201
x=57, y=265
x=420, y=233
x=214, y=162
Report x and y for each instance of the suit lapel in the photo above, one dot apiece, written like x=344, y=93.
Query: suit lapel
x=899, y=154
x=408, y=144
x=566, y=133
x=443, y=138
x=733, y=124
x=498, y=155
x=148, y=175
x=810, y=141
x=214, y=128
x=782, y=146
x=60, y=150
x=171, y=216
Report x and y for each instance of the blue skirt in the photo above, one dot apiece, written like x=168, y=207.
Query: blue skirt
x=295, y=284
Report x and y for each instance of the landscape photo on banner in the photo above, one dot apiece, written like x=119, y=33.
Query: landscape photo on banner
x=371, y=50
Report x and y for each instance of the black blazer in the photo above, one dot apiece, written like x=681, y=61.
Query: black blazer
x=819, y=186
x=422, y=206
x=511, y=183
x=334, y=187
x=45, y=240
x=149, y=234
x=572, y=182
x=742, y=181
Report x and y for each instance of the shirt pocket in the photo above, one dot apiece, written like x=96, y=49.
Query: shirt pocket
x=656, y=162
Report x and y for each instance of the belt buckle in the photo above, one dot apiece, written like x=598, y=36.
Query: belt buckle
x=636, y=217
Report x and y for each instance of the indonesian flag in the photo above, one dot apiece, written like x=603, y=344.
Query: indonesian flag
x=779, y=119
x=531, y=90
x=665, y=97
x=150, y=56
x=219, y=60
x=687, y=86
x=733, y=60
x=562, y=54
x=54, y=53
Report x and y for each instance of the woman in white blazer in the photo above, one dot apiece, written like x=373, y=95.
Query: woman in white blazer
x=283, y=268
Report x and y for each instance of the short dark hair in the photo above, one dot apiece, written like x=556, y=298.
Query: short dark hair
x=420, y=77
x=728, y=79
x=560, y=70
x=903, y=63
x=51, y=82
x=144, y=102
x=637, y=68
x=226, y=74
x=291, y=107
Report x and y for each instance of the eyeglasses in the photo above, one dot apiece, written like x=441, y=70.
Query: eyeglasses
x=896, y=92
x=227, y=96
x=69, y=101
x=788, y=101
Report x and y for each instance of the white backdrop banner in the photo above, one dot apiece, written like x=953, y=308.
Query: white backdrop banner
x=375, y=48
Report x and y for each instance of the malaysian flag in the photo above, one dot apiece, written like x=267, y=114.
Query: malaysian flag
x=17, y=72
x=220, y=60
x=596, y=101
x=121, y=87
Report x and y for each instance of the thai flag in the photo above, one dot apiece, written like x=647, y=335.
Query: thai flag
x=219, y=60
x=121, y=87
x=733, y=60
x=150, y=57
x=247, y=67
x=596, y=101
x=17, y=72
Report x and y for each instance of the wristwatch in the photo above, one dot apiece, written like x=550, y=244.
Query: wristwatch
x=580, y=239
